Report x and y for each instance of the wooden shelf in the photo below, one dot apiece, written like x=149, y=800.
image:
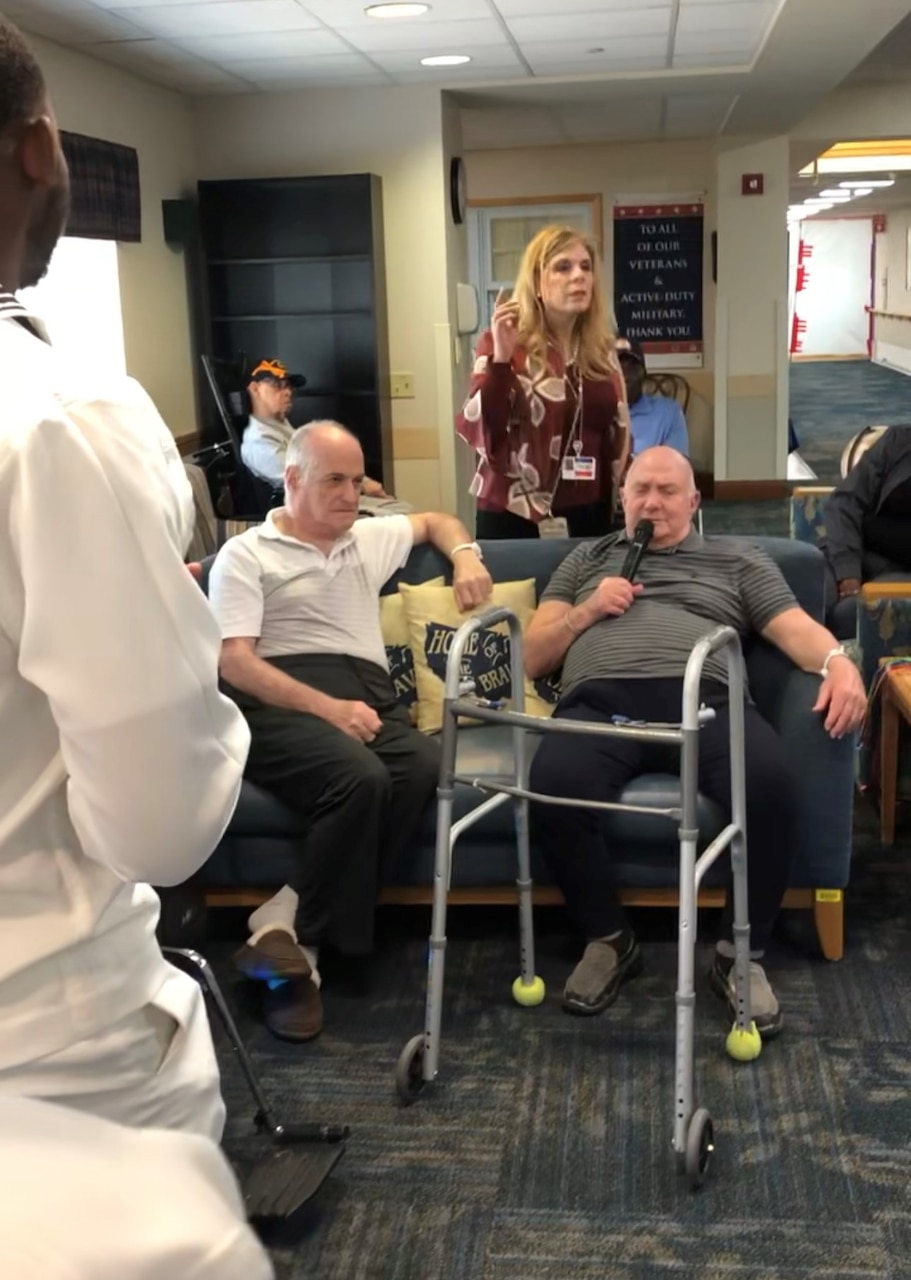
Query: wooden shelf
x=295, y=315
x=324, y=393
x=295, y=265
x=271, y=262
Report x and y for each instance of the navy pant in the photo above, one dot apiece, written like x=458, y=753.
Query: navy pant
x=590, y=768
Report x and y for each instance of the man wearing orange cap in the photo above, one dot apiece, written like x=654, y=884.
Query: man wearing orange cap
x=265, y=443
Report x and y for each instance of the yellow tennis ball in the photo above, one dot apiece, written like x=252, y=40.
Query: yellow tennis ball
x=528, y=993
x=744, y=1046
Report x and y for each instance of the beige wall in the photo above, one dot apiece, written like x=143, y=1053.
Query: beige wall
x=93, y=98
x=397, y=134
x=611, y=170
x=751, y=371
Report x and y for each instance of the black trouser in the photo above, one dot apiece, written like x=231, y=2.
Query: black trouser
x=590, y=768
x=593, y=520
x=889, y=536
x=364, y=802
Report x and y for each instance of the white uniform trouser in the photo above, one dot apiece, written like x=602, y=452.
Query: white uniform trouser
x=154, y=1069
x=84, y=1199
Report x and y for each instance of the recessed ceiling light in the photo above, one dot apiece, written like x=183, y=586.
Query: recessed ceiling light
x=396, y=10
x=873, y=182
x=861, y=191
x=446, y=60
x=835, y=193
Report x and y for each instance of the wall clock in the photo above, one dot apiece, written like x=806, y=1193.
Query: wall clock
x=458, y=198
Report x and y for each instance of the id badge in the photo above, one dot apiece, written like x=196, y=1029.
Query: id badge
x=582, y=468
x=553, y=527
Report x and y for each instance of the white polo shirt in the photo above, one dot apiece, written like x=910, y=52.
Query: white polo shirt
x=294, y=599
x=264, y=446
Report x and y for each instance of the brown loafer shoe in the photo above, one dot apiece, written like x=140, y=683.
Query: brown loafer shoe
x=275, y=955
x=294, y=1010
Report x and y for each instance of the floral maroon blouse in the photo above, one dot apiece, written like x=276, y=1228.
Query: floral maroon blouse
x=520, y=430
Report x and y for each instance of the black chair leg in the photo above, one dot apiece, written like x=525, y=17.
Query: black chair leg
x=199, y=968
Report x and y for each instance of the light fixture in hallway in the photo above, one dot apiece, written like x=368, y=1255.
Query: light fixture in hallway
x=446, y=60
x=396, y=10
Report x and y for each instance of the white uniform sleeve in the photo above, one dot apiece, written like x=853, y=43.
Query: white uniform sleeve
x=236, y=592
x=165, y=474
x=385, y=544
x=86, y=1199
x=117, y=635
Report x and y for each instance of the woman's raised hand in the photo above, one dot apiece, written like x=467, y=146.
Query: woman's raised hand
x=504, y=326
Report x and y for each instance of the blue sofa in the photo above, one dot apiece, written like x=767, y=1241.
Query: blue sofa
x=265, y=837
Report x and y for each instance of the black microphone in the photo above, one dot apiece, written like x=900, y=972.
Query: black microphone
x=642, y=536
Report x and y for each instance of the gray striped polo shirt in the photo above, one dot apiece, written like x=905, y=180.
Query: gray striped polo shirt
x=689, y=590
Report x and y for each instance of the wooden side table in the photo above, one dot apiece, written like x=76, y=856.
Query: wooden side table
x=895, y=707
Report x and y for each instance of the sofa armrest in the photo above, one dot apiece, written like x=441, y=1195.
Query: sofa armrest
x=822, y=767
x=883, y=624
x=807, y=513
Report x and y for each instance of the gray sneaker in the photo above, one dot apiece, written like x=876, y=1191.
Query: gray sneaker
x=764, y=1007
x=595, y=982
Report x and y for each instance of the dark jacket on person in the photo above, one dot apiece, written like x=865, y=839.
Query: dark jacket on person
x=884, y=466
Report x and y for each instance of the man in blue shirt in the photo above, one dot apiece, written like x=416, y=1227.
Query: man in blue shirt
x=653, y=419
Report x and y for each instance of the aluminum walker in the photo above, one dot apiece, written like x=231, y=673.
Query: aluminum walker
x=418, y=1064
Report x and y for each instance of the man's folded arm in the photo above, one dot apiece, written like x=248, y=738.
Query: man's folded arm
x=120, y=639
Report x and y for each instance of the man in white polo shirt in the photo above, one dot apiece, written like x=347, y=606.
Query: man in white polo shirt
x=298, y=602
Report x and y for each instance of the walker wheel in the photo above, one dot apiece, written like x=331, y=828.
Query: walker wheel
x=529, y=993
x=700, y=1143
x=409, y=1071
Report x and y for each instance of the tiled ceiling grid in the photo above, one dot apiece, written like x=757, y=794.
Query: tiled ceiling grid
x=212, y=46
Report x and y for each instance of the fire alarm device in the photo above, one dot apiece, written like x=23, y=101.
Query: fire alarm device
x=751, y=184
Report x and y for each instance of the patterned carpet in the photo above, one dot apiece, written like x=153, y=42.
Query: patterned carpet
x=543, y=1151
x=832, y=400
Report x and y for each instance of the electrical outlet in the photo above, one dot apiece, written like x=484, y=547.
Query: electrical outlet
x=402, y=386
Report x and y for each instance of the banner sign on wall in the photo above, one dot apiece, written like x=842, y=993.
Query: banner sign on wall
x=658, y=255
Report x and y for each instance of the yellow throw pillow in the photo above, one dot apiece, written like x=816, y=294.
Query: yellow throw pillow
x=394, y=626
x=433, y=619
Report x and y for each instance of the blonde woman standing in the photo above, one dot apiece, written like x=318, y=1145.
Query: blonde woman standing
x=546, y=409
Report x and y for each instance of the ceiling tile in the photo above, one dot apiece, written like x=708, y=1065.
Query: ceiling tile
x=144, y=4
x=705, y=58
x=555, y=57
x=19, y=7
x=736, y=44
x=177, y=72
x=455, y=77
x=428, y=37
x=639, y=117
x=751, y=16
x=696, y=113
x=150, y=54
x=227, y=17
x=483, y=57
x=72, y=26
x=528, y=126
x=627, y=22
x=548, y=9
x=265, y=44
x=350, y=13
x=287, y=73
